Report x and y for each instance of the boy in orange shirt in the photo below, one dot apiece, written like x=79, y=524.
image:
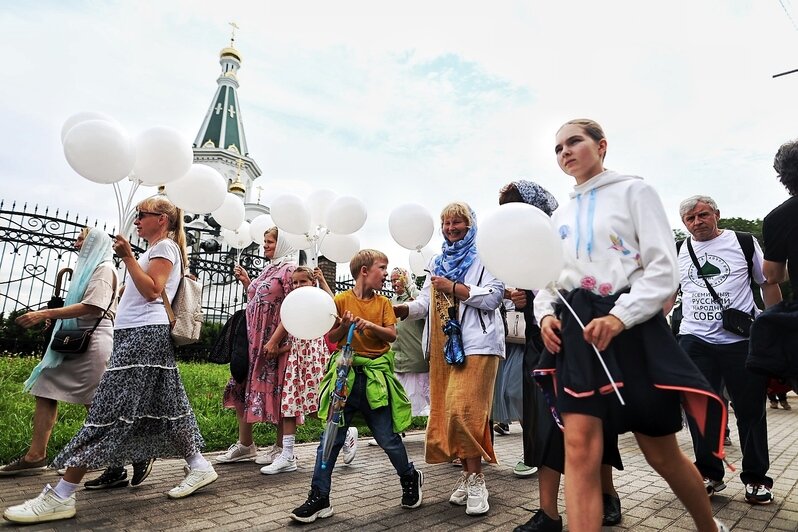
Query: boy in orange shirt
x=374, y=391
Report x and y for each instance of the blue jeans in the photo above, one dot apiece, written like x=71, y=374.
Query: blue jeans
x=726, y=363
x=381, y=424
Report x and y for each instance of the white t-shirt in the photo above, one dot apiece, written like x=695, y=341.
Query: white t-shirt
x=723, y=263
x=134, y=310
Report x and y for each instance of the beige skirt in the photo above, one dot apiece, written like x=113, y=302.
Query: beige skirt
x=76, y=378
x=461, y=398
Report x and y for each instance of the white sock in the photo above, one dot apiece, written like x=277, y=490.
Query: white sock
x=65, y=489
x=198, y=462
x=288, y=446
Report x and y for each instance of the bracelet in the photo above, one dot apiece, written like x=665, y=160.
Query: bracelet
x=454, y=286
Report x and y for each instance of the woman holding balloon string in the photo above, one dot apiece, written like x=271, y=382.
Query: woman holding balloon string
x=140, y=410
x=257, y=399
x=461, y=395
x=620, y=268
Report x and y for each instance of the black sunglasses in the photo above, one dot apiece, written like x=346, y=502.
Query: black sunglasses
x=142, y=214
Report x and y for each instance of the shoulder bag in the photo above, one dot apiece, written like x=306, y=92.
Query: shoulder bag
x=76, y=341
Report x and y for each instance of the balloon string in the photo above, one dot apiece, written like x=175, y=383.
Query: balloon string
x=119, y=208
x=598, y=354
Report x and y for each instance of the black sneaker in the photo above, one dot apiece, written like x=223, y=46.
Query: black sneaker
x=612, y=510
x=317, y=506
x=411, y=489
x=502, y=429
x=141, y=470
x=541, y=522
x=112, y=477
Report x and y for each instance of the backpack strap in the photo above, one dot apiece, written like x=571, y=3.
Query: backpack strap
x=746, y=241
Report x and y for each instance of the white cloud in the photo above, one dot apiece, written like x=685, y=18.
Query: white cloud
x=419, y=101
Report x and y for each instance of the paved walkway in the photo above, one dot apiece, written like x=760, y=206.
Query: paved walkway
x=366, y=494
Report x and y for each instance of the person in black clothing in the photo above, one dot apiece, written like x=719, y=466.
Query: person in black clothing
x=780, y=227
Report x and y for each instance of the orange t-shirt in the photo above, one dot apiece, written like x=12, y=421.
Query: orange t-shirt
x=377, y=310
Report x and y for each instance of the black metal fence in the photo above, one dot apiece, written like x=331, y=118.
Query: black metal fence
x=37, y=253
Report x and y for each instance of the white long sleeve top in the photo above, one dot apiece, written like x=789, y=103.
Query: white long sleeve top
x=483, y=329
x=615, y=235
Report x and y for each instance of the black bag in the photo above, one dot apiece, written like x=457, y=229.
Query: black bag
x=735, y=321
x=71, y=341
x=76, y=341
x=232, y=340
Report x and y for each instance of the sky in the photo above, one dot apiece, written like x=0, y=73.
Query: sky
x=418, y=101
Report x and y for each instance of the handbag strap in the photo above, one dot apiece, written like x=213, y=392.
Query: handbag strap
x=101, y=318
x=712, y=292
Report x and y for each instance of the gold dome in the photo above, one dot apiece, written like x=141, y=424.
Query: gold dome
x=229, y=50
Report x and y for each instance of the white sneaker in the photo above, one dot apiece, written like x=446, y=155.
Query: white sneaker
x=721, y=526
x=350, y=445
x=46, y=507
x=460, y=492
x=195, y=479
x=238, y=453
x=269, y=455
x=477, y=495
x=373, y=443
x=281, y=464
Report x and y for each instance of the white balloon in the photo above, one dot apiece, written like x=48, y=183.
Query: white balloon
x=258, y=226
x=308, y=312
x=317, y=204
x=298, y=242
x=240, y=238
x=290, y=214
x=162, y=155
x=411, y=225
x=518, y=244
x=339, y=248
x=345, y=215
x=202, y=190
x=83, y=116
x=100, y=151
x=419, y=261
x=231, y=213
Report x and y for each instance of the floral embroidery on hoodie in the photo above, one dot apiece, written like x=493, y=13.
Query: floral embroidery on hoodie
x=605, y=289
x=588, y=282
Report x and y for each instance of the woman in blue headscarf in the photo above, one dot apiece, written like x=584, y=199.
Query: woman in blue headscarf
x=73, y=379
x=461, y=394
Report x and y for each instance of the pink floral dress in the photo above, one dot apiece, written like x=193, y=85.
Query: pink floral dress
x=260, y=396
x=303, y=372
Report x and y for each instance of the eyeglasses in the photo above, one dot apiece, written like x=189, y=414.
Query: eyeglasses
x=142, y=214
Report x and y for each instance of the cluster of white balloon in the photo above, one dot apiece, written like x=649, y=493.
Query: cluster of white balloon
x=322, y=224
x=412, y=226
x=98, y=148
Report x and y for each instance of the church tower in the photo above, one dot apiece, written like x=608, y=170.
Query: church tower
x=221, y=142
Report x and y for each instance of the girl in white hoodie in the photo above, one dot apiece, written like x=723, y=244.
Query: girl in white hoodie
x=616, y=240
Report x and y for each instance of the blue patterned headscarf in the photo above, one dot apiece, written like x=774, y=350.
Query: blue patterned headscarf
x=457, y=257
x=537, y=196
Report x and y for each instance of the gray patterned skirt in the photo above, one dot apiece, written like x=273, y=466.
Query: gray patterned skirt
x=140, y=410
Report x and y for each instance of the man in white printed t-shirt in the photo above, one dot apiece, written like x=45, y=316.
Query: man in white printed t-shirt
x=719, y=260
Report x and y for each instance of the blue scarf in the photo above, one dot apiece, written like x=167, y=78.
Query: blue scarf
x=97, y=248
x=457, y=257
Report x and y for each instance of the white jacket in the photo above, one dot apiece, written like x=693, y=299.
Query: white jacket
x=615, y=235
x=483, y=329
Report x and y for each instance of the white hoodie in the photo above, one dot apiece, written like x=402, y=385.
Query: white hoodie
x=615, y=235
